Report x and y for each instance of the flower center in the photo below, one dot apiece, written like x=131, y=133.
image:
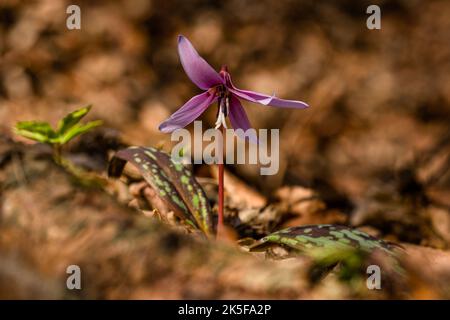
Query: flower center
x=224, y=105
x=224, y=99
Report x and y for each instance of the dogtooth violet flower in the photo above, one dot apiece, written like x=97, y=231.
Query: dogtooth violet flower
x=218, y=88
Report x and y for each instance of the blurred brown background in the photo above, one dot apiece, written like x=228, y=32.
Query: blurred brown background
x=380, y=99
x=375, y=144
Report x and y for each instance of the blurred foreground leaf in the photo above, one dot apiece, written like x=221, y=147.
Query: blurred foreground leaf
x=173, y=183
x=328, y=244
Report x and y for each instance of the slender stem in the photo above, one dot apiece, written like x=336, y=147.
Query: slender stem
x=221, y=196
x=86, y=178
x=57, y=153
x=221, y=186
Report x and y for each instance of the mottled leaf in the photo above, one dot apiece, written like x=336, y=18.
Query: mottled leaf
x=174, y=183
x=330, y=242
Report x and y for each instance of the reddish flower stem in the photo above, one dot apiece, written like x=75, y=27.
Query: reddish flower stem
x=221, y=196
x=221, y=190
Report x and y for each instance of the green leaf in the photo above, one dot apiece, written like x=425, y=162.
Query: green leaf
x=38, y=131
x=68, y=128
x=76, y=130
x=32, y=135
x=173, y=182
x=326, y=243
x=72, y=119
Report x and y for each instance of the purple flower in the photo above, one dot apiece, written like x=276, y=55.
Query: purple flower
x=218, y=87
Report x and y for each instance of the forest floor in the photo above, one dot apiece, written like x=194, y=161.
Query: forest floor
x=372, y=152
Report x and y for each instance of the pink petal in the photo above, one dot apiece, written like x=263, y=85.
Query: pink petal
x=190, y=111
x=264, y=99
x=239, y=119
x=197, y=69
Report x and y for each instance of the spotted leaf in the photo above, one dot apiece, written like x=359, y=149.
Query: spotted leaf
x=172, y=181
x=325, y=242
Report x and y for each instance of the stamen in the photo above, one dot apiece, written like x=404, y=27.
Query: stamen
x=221, y=115
x=227, y=106
x=224, y=123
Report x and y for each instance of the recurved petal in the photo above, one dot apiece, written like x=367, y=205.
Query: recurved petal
x=267, y=100
x=262, y=98
x=239, y=120
x=190, y=111
x=197, y=69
